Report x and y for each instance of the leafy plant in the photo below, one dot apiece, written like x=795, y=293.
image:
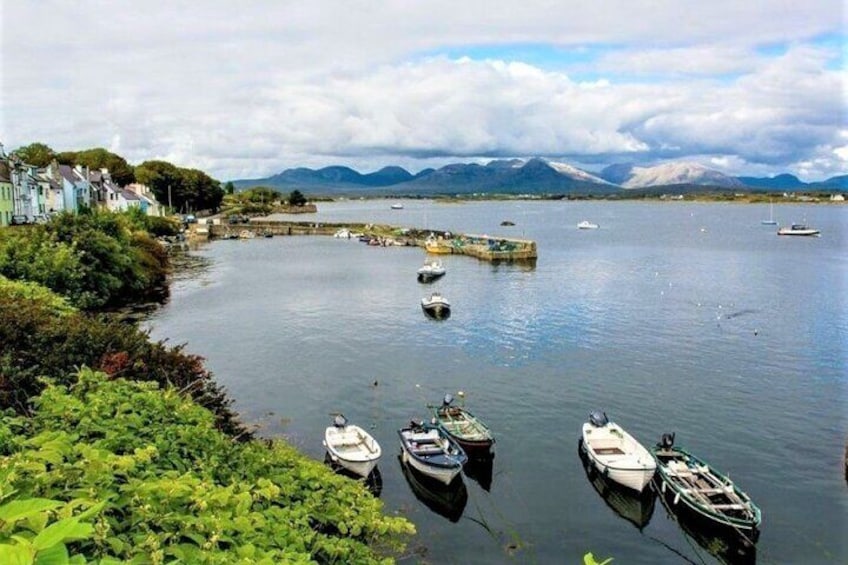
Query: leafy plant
x=158, y=482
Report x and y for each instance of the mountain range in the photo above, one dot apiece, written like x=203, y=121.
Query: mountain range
x=528, y=176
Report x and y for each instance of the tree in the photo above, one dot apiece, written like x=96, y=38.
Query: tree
x=121, y=171
x=37, y=154
x=296, y=198
x=229, y=188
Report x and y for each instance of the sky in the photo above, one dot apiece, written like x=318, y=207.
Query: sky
x=248, y=89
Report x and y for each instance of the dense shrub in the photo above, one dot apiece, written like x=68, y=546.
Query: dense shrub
x=95, y=259
x=36, y=342
x=160, y=484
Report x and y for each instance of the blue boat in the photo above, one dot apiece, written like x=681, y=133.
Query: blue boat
x=431, y=451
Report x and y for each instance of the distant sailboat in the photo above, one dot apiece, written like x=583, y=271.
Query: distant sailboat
x=771, y=221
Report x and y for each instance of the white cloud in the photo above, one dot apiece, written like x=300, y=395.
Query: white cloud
x=250, y=89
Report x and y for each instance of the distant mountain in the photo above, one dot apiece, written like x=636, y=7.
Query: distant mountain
x=336, y=176
x=785, y=180
x=525, y=176
x=675, y=173
x=839, y=182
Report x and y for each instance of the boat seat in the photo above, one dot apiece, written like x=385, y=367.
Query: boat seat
x=608, y=451
x=729, y=506
x=428, y=449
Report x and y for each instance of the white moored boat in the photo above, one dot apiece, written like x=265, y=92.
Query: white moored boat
x=616, y=454
x=587, y=225
x=798, y=229
x=351, y=447
x=436, y=306
x=430, y=271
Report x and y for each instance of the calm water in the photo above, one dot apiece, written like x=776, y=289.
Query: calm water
x=683, y=317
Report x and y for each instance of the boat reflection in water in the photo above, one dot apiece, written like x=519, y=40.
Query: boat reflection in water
x=373, y=482
x=636, y=508
x=480, y=470
x=447, y=500
x=726, y=545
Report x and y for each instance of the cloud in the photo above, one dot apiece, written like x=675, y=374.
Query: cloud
x=247, y=90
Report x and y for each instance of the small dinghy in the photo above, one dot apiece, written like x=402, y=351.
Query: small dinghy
x=431, y=451
x=430, y=271
x=687, y=483
x=351, y=447
x=616, y=454
x=436, y=306
x=468, y=431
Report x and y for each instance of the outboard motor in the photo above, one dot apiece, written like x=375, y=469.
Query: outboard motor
x=667, y=441
x=447, y=400
x=340, y=421
x=598, y=419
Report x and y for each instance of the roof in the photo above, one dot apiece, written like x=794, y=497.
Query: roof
x=67, y=173
x=129, y=195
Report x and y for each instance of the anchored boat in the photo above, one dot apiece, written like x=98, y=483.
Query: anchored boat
x=430, y=450
x=688, y=483
x=469, y=431
x=616, y=454
x=351, y=447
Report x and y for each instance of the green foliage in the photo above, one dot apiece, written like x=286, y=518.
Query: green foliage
x=37, y=154
x=35, y=342
x=229, y=188
x=184, y=189
x=296, y=198
x=589, y=559
x=20, y=291
x=161, y=484
x=95, y=259
x=99, y=158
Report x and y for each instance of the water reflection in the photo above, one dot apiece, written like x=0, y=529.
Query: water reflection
x=636, y=508
x=480, y=470
x=726, y=545
x=373, y=482
x=446, y=500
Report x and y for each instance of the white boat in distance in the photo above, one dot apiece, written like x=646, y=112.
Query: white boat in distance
x=436, y=306
x=587, y=225
x=351, y=447
x=430, y=450
x=397, y=206
x=431, y=270
x=616, y=454
x=798, y=229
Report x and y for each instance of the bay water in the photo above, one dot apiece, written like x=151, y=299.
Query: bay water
x=682, y=317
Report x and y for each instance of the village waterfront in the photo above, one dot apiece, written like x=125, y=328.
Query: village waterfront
x=682, y=317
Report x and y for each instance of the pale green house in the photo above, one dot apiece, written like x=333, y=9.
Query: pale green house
x=7, y=198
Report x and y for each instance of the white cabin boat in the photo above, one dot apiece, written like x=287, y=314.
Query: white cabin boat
x=798, y=229
x=616, y=454
x=587, y=225
x=431, y=271
x=351, y=447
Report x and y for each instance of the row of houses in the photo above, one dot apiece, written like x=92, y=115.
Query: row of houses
x=30, y=194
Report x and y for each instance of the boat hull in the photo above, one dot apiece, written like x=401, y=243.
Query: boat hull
x=429, y=276
x=352, y=448
x=616, y=455
x=798, y=232
x=437, y=311
x=438, y=456
x=680, y=498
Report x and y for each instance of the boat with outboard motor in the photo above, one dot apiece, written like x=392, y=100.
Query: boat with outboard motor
x=430, y=450
x=616, y=454
x=351, y=447
x=688, y=483
x=470, y=432
x=436, y=306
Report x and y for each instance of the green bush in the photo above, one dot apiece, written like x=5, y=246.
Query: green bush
x=174, y=488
